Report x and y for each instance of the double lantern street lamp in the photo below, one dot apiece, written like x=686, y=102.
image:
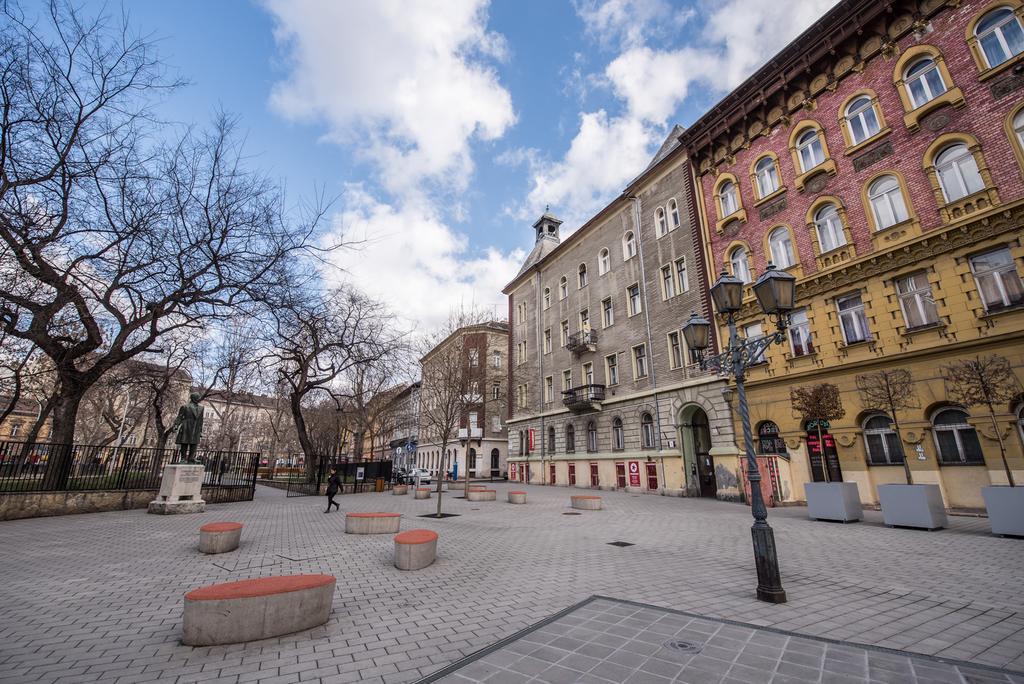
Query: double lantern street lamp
x=776, y=293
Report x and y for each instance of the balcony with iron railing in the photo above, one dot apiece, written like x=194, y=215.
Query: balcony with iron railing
x=582, y=341
x=583, y=398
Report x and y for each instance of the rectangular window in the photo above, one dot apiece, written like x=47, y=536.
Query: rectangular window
x=852, y=319
x=495, y=423
x=668, y=283
x=640, y=361
x=565, y=333
x=521, y=352
x=496, y=359
x=675, y=350
x=754, y=331
x=566, y=380
x=996, y=277
x=521, y=313
x=521, y=396
x=611, y=369
x=800, y=333
x=588, y=374
x=585, y=320
x=496, y=391
x=683, y=280
x=916, y=301
x=474, y=420
x=607, y=312
x=633, y=297
x=547, y=341
x=474, y=358
x=549, y=389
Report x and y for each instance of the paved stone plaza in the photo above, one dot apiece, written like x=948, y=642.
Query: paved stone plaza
x=99, y=597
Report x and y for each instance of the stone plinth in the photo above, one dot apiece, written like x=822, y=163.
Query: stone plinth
x=517, y=497
x=586, y=503
x=415, y=549
x=482, y=495
x=180, y=490
x=372, y=523
x=219, y=537
x=422, y=492
x=400, y=490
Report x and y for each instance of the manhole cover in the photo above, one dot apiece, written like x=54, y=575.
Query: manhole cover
x=443, y=515
x=620, y=543
x=571, y=513
x=682, y=646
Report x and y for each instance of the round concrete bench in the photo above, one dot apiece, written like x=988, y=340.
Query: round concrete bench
x=517, y=497
x=254, y=609
x=372, y=523
x=415, y=549
x=482, y=495
x=400, y=490
x=586, y=503
x=423, y=492
x=219, y=537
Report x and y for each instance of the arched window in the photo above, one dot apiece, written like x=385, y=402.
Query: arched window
x=1020, y=421
x=861, y=119
x=829, y=227
x=924, y=81
x=767, y=176
x=582, y=276
x=592, y=436
x=628, y=245
x=673, y=214
x=563, y=287
x=660, y=224
x=810, y=150
x=618, y=435
x=1000, y=36
x=728, y=201
x=547, y=297
x=955, y=438
x=887, y=204
x=604, y=261
x=958, y=172
x=768, y=439
x=881, y=441
x=1018, y=128
x=551, y=439
x=740, y=265
x=781, y=247
x=647, y=431
x=570, y=439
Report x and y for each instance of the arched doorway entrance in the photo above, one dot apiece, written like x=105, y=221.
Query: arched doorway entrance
x=695, y=436
x=471, y=458
x=495, y=462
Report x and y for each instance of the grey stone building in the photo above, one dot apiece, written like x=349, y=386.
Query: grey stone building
x=602, y=391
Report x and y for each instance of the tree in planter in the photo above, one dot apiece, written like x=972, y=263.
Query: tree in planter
x=890, y=391
x=984, y=382
x=819, y=403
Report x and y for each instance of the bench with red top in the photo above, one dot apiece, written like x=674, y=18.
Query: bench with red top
x=372, y=523
x=517, y=497
x=415, y=549
x=236, y=612
x=482, y=495
x=219, y=537
x=587, y=503
x=423, y=492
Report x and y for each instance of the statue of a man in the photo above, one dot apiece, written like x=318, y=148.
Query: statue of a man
x=189, y=424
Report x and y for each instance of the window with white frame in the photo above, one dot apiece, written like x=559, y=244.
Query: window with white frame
x=924, y=81
x=474, y=358
x=547, y=297
x=495, y=423
x=727, y=199
x=618, y=435
x=547, y=341
x=660, y=222
x=628, y=245
x=800, y=340
x=521, y=353
x=647, y=431
x=611, y=369
x=673, y=214
x=887, y=205
x=740, y=265
x=1000, y=36
x=755, y=331
x=584, y=320
x=852, y=319
x=955, y=438
x=675, y=350
x=592, y=436
x=604, y=261
x=861, y=119
x=640, y=361
x=829, y=228
x=566, y=380
x=668, y=283
x=880, y=440
x=1018, y=129
x=682, y=280
x=781, y=247
x=916, y=301
x=549, y=389
x=581, y=276
x=496, y=391
x=563, y=287
x=995, y=275
x=588, y=374
x=633, y=297
x=607, y=312
x=564, y=333
x=958, y=172
x=767, y=176
x=809, y=150
x=496, y=359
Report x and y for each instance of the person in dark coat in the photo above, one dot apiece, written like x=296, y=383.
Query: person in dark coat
x=333, y=485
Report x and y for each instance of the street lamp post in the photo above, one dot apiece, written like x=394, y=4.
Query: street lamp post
x=776, y=293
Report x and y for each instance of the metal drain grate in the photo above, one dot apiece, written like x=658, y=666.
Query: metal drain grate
x=571, y=513
x=620, y=543
x=682, y=646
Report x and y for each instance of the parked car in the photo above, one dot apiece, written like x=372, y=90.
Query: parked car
x=422, y=473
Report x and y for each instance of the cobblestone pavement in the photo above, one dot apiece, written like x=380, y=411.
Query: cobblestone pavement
x=99, y=597
x=605, y=640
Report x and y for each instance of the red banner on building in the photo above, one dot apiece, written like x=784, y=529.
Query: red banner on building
x=634, y=473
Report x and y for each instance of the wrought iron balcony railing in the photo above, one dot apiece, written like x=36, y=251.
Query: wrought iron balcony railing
x=582, y=341
x=584, y=398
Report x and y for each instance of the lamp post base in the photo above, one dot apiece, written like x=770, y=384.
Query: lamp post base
x=769, y=580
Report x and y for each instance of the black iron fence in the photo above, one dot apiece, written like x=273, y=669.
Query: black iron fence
x=356, y=476
x=41, y=467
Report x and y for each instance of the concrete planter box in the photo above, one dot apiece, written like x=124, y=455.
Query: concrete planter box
x=918, y=505
x=833, y=501
x=1005, y=506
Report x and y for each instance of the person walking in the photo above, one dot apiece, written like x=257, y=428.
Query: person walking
x=333, y=485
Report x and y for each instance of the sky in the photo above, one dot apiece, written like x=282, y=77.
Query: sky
x=443, y=128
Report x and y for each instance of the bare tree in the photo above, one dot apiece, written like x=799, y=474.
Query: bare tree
x=984, y=382
x=230, y=375
x=890, y=391
x=821, y=402
x=108, y=238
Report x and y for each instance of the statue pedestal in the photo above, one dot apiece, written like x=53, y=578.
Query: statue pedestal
x=180, y=491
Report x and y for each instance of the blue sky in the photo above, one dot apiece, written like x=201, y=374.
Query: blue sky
x=446, y=126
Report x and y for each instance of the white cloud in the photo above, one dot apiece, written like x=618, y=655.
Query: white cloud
x=631, y=22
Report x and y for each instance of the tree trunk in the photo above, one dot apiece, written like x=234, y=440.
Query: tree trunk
x=899, y=437
x=440, y=474
x=62, y=437
x=1002, y=447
